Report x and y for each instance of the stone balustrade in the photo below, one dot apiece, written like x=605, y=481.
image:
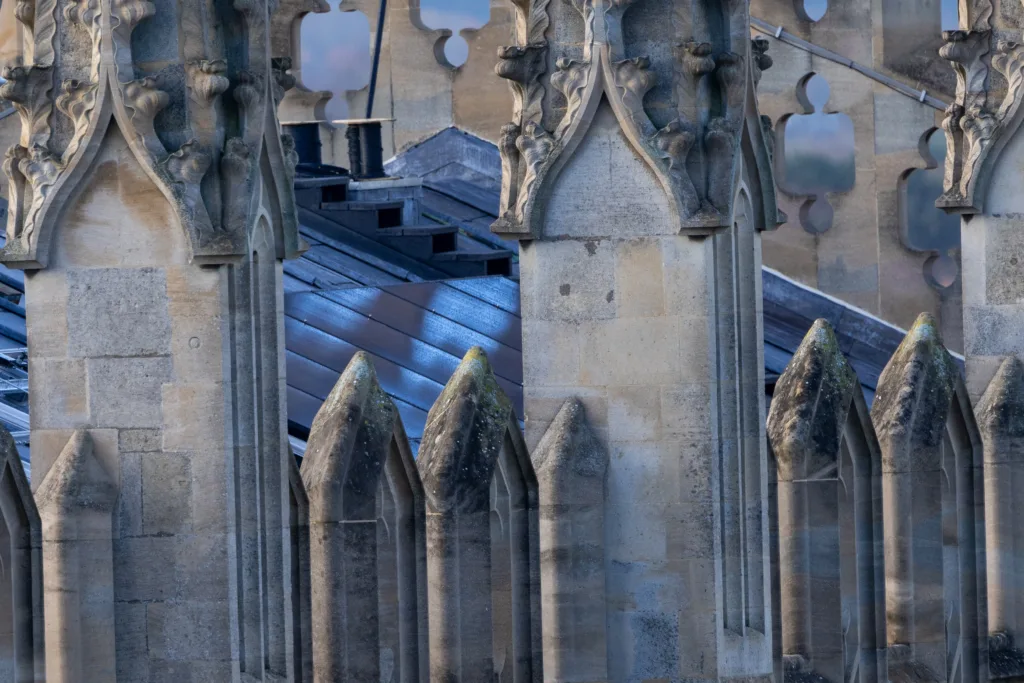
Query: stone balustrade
x=881, y=519
x=474, y=561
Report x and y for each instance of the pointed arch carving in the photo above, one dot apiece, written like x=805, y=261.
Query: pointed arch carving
x=209, y=179
x=700, y=192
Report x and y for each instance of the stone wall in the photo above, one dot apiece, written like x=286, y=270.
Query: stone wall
x=151, y=206
x=482, y=560
x=983, y=179
x=861, y=259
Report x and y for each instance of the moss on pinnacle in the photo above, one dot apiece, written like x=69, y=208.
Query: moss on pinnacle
x=464, y=433
x=914, y=392
x=810, y=404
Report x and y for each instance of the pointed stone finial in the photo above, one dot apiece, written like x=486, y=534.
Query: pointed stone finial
x=462, y=441
x=76, y=502
x=571, y=463
x=1000, y=416
x=76, y=481
x=1001, y=410
x=569, y=447
x=817, y=487
x=913, y=404
x=464, y=434
x=810, y=405
x=913, y=395
x=16, y=482
x=24, y=577
x=348, y=443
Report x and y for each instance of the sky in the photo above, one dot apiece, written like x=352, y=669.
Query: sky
x=336, y=45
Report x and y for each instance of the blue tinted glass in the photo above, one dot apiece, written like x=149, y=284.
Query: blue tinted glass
x=929, y=228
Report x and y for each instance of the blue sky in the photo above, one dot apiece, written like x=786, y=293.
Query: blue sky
x=336, y=45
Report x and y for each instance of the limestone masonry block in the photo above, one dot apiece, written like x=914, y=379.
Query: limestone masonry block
x=118, y=312
x=127, y=392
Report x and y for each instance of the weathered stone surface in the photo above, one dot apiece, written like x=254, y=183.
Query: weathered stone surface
x=810, y=405
x=470, y=438
x=828, y=482
x=571, y=463
x=301, y=599
x=617, y=110
x=913, y=398
x=21, y=604
x=349, y=441
x=933, y=504
x=182, y=130
x=141, y=158
x=1001, y=414
x=127, y=392
x=1001, y=420
x=118, y=312
x=465, y=431
x=358, y=477
x=639, y=271
x=60, y=399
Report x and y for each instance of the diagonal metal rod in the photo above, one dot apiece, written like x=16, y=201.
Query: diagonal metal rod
x=376, y=57
x=779, y=33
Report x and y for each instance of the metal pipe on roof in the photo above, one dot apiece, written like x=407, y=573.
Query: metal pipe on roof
x=376, y=57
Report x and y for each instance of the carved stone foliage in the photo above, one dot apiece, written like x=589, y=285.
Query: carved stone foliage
x=983, y=118
x=694, y=156
x=178, y=122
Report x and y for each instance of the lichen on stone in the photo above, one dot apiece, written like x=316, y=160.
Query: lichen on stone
x=914, y=394
x=464, y=434
x=809, y=407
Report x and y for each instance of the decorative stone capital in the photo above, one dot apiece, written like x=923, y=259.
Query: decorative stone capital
x=982, y=120
x=98, y=82
x=701, y=189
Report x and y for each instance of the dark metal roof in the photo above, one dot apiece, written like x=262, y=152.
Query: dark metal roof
x=790, y=309
x=13, y=355
x=416, y=333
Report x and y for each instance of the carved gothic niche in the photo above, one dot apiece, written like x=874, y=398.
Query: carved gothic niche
x=690, y=117
x=815, y=156
x=207, y=159
x=923, y=226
